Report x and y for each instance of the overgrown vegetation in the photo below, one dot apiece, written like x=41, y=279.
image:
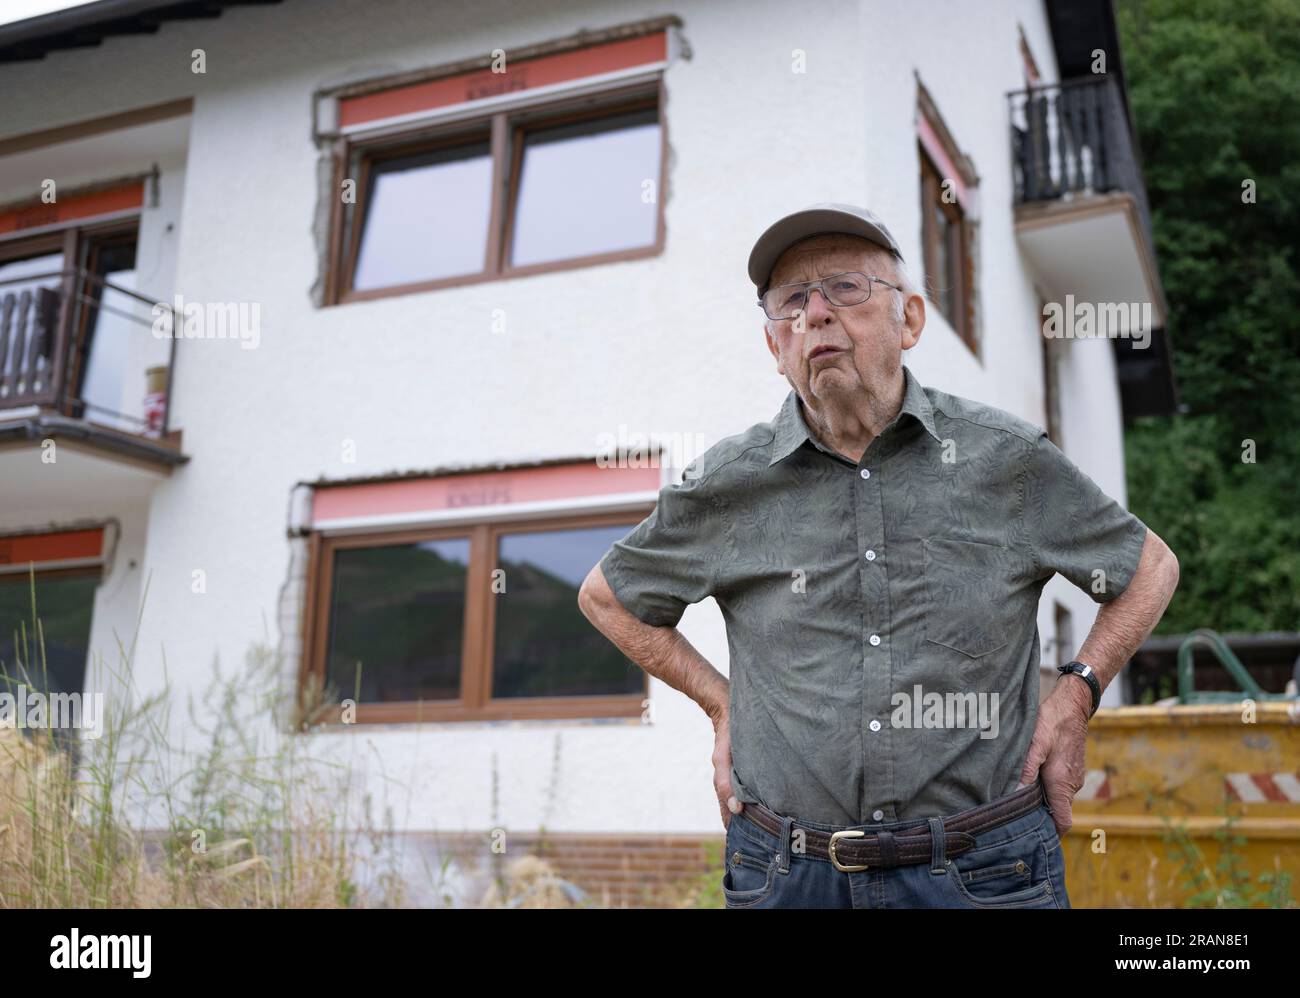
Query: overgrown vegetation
x=1214, y=87
x=239, y=817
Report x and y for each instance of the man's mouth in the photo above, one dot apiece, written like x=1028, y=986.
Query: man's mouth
x=825, y=350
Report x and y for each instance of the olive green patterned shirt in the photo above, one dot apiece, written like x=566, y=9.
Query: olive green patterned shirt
x=881, y=615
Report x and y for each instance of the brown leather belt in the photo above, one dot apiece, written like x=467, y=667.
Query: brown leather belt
x=854, y=849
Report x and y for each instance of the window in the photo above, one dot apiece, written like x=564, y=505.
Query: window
x=397, y=615
x=467, y=623
x=580, y=186
x=946, y=240
x=542, y=187
x=426, y=216
x=54, y=663
x=949, y=222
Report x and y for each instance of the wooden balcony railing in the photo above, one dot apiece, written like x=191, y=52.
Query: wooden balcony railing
x=74, y=343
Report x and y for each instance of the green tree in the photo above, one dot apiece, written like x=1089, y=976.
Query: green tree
x=1214, y=87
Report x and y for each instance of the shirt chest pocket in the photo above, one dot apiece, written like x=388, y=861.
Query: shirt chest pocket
x=973, y=591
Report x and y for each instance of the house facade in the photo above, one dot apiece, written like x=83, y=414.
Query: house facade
x=360, y=331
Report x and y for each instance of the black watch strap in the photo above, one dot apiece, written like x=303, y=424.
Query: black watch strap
x=1086, y=672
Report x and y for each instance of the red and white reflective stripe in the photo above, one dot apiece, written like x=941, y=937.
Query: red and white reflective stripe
x=1262, y=788
x=1096, y=786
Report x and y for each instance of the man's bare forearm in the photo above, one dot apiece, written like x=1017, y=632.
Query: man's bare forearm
x=663, y=652
x=1125, y=622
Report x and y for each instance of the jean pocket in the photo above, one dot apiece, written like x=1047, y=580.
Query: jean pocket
x=750, y=869
x=1012, y=873
x=969, y=586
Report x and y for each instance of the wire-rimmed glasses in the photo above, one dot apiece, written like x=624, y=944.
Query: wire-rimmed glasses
x=785, y=301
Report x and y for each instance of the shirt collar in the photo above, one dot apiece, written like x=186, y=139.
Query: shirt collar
x=791, y=430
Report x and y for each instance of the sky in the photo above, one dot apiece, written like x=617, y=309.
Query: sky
x=19, y=10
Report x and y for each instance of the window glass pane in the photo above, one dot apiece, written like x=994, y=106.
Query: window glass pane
x=426, y=217
x=941, y=280
x=581, y=188
x=111, y=389
x=544, y=646
x=64, y=606
x=398, y=614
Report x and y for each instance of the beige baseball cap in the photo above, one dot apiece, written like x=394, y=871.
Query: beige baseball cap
x=817, y=219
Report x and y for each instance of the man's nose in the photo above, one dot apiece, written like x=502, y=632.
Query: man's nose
x=819, y=312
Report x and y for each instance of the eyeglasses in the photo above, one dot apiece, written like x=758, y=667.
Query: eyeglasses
x=785, y=301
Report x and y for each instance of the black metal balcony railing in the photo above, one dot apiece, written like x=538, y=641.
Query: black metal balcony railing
x=70, y=342
x=1073, y=139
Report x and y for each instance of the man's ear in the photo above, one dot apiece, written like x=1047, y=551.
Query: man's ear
x=775, y=350
x=913, y=320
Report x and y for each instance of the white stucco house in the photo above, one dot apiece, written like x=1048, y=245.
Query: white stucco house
x=319, y=319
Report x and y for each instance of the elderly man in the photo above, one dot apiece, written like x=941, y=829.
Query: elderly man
x=878, y=550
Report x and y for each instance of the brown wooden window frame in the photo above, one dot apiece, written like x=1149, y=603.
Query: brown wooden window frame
x=476, y=702
x=505, y=130
x=959, y=249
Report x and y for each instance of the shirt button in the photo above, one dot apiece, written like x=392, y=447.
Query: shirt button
x=871, y=556
x=874, y=725
x=874, y=639
x=878, y=814
x=866, y=473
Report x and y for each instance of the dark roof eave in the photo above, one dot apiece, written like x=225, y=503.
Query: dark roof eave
x=88, y=25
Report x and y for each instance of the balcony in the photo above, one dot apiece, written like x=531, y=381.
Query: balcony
x=80, y=367
x=1083, y=222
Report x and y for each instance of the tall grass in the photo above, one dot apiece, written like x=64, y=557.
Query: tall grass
x=236, y=815
x=228, y=809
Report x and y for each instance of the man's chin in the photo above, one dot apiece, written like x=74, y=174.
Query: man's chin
x=832, y=380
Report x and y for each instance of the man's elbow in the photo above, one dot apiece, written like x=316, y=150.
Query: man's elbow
x=1167, y=563
x=593, y=593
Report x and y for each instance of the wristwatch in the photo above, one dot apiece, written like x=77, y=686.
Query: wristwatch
x=1086, y=672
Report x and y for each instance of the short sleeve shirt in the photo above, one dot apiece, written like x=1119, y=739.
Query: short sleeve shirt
x=881, y=615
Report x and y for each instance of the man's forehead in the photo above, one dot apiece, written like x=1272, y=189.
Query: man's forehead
x=829, y=249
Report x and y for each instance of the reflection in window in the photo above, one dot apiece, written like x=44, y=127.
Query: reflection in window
x=56, y=661
x=426, y=217
x=544, y=646
x=581, y=188
x=943, y=283
x=111, y=388
x=947, y=255
x=397, y=616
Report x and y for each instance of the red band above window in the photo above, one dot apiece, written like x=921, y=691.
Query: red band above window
x=73, y=207
x=52, y=550
x=948, y=170
x=492, y=488
x=526, y=74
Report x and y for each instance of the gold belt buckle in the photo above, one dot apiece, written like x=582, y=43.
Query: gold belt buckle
x=851, y=833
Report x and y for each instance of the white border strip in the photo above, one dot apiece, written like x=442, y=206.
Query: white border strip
x=1245, y=788
x=470, y=515
x=51, y=566
x=646, y=72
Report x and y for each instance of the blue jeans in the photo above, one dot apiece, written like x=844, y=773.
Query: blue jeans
x=1018, y=864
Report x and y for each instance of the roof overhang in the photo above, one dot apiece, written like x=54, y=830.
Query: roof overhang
x=89, y=24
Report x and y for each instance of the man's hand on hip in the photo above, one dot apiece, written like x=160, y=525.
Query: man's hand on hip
x=1058, y=748
x=727, y=802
